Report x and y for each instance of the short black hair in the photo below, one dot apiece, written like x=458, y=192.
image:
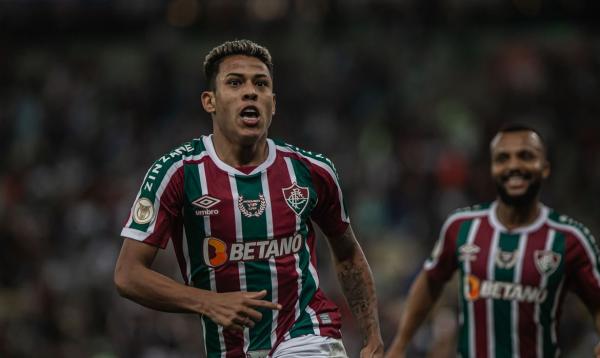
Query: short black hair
x=231, y=48
x=520, y=127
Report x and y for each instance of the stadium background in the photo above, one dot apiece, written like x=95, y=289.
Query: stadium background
x=402, y=95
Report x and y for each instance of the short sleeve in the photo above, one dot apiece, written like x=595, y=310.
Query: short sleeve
x=584, y=272
x=441, y=264
x=157, y=207
x=330, y=212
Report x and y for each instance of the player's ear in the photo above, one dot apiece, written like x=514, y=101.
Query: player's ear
x=546, y=169
x=208, y=101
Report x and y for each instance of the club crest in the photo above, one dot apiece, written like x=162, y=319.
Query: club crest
x=296, y=197
x=252, y=207
x=546, y=261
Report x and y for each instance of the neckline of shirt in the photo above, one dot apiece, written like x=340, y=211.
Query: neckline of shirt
x=210, y=148
x=535, y=225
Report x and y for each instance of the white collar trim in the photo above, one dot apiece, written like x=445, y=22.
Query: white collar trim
x=539, y=221
x=210, y=148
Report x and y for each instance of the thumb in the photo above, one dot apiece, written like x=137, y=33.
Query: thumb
x=257, y=295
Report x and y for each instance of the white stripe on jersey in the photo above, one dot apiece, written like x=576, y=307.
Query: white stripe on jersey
x=292, y=174
x=329, y=171
x=239, y=238
x=537, y=313
x=470, y=306
x=211, y=270
x=272, y=265
x=515, y=303
x=490, y=301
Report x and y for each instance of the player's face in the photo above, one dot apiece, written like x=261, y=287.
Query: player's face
x=519, y=166
x=243, y=102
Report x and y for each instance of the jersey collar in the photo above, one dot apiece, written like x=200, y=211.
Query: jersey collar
x=539, y=221
x=210, y=148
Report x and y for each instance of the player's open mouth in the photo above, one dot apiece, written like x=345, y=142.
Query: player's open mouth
x=250, y=115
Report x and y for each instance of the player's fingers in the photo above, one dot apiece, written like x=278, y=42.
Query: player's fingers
x=252, y=314
x=265, y=304
x=256, y=295
x=244, y=322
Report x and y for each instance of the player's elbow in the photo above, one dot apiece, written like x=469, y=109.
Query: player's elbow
x=122, y=280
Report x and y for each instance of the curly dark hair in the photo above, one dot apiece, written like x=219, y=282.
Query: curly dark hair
x=230, y=48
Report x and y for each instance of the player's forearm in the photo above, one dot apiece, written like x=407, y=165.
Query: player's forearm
x=156, y=291
x=358, y=286
x=421, y=299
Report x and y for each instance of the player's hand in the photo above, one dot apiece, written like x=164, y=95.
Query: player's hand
x=236, y=310
x=597, y=350
x=374, y=350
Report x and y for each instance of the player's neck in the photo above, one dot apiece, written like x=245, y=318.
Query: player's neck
x=514, y=217
x=237, y=154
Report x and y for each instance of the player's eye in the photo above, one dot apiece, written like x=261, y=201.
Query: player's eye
x=262, y=83
x=501, y=158
x=234, y=82
x=526, y=155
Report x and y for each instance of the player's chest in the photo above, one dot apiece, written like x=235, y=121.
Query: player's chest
x=254, y=207
x=526, y=260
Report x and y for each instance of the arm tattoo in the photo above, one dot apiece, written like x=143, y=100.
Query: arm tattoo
x=357, y=284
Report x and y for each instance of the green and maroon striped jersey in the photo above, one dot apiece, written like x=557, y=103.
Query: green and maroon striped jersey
x=512, y=282
x=236, y=231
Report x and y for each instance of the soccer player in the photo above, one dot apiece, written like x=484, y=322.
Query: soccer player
x=239, y=209
x=516, y=258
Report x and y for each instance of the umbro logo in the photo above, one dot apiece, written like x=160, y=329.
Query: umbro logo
x=205, y=203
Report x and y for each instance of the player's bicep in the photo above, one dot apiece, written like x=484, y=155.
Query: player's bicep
x=135, y=252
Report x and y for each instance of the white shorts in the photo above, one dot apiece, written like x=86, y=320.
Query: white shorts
x=309, y=346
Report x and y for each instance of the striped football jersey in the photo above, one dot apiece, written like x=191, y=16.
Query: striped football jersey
x=237, y=231
x=512, y=282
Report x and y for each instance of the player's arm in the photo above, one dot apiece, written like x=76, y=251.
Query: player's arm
x=354, y=275
x=422, y=296
x=136, y=280
x=596, y=315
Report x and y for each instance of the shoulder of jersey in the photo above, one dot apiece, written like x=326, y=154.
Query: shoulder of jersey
x=568, y=221
x=187, y=150
x=473, y=209
x=304, y=153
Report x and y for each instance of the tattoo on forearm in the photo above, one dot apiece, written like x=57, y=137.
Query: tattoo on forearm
x=357, y=284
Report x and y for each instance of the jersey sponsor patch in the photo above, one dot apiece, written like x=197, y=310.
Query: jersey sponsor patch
x=143, y=211
x=506, y=259
x=205, y=204
x=252, y=207
x=475, y=289
x=217, y=252
x=296, y=197
x=546, y=261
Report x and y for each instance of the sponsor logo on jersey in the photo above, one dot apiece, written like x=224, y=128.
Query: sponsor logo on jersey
x=468, y=252
x=205, y=203
x=143, y=211
x=475, y=289
x=217, y=252
x=546, y=261
x=506, y=259
x=252, y=207
x=296, y=197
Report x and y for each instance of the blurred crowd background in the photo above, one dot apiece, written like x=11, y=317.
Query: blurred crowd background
x=403, y=95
